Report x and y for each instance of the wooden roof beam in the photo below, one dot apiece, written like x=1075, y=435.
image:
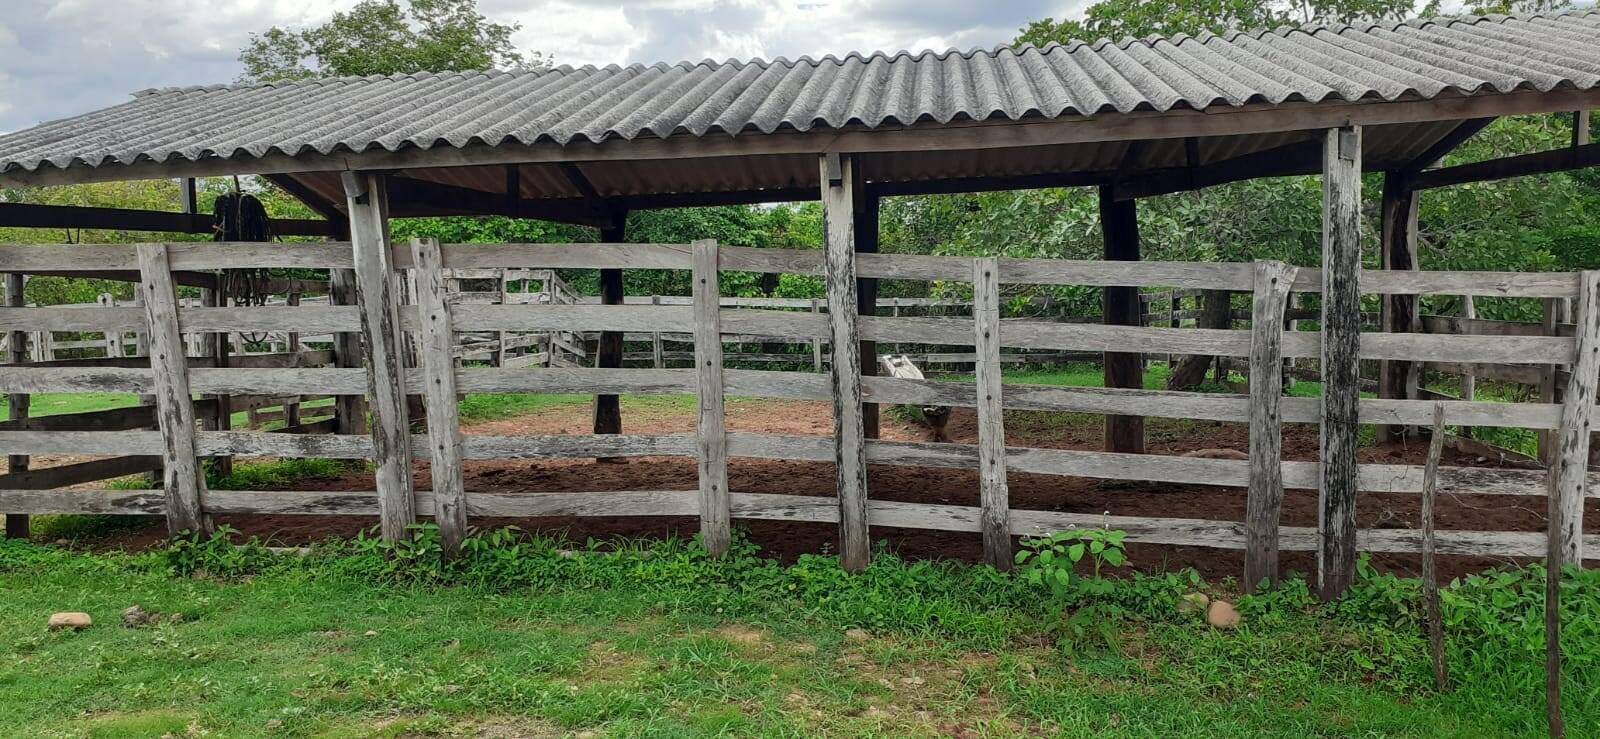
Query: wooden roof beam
x=1304, y=157
x=1442, y=147
x=31, y=215
x=1557, y=160
x=411, y=198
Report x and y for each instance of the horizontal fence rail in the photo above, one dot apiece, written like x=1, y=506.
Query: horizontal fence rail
x=450, y=323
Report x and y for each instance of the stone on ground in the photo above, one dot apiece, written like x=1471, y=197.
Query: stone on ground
x=1193, y=603
x=1222, y=615
x=73, y=620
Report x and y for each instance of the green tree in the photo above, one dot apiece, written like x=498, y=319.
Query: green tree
x=382, y=37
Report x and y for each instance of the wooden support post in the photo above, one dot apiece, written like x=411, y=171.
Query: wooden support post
x=608, y=350
x=1341, y=342
x=1265, y=497
x=499, y=357
x=1119, y=226
x=994, y=498
x=1549, y=378
x=1398, y=379
x=216, y=347
x=710, y=432
x=850, y=459
x=16, y=403
x=183, y=481
x=816, y=341
x=376, y=295
x=658, y=353
x=1569, y=464
x=437, y=347
x=1430, y=574
x=350, y=411
x=1469, y=380
x=865, y=205
x=291, y=344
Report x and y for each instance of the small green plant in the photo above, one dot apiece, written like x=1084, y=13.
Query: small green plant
x=1050, y=561
x=216, y=556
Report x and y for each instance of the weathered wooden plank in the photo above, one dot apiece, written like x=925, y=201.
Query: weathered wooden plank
x=1263, y=502
x=378, y=301
x=710, y=427
x=17, y=404
x=1430, y=576
x=77, y=473
x=849, y=450
x=115, y=419
x=1341, y=339
x=1570, y=462
x=440, y=394
x=183, y=481
x=994, y=496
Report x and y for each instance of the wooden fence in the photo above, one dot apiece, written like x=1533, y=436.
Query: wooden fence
x=384, y=321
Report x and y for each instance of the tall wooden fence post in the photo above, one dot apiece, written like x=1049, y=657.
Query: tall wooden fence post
x=1569, y=464
x=437, y=347
x=376, y=295
x=182, y=480
x=17, y=403
x=850, y=456
x=994, y=497
x=710, y=431
x=350, y=411
x=1265, y=497
x=1341, y=343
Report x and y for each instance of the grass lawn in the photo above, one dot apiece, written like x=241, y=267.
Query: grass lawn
x=657, y=640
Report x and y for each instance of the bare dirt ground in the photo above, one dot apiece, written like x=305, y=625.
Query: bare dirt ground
x=787, y=540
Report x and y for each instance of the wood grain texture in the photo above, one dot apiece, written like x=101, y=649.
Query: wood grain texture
x=1569, y=463
x=711, y=440
x=17, y=404
x=1264, y=499
x=182, y=479
x=378, y=300
x=1430, y=575
x=848, y=430
x=1341, y=339
x=993, y=493
x=440, y=393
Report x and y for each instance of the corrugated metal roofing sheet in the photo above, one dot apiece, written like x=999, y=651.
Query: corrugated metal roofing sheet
x=1387, y=61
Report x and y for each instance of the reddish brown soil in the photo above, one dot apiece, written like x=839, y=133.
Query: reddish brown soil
x=958, y=487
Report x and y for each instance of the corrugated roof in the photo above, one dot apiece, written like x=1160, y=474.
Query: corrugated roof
x=1382, y=61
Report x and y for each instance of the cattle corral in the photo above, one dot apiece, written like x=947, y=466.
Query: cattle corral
x=588, y=146
x=930, y=496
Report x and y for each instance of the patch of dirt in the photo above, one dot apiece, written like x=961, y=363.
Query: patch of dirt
x=787, y=540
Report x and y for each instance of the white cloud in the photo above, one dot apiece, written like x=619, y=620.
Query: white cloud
x=64, y=57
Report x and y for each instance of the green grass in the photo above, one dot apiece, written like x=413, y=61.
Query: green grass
x=658, y=640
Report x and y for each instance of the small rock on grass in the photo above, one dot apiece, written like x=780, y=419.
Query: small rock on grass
x=70, y=620
x=1194, y=603
x=857, y=634
x=1222, y=615
x=134, y=616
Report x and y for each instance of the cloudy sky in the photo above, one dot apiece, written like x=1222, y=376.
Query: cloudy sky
x=63, y=57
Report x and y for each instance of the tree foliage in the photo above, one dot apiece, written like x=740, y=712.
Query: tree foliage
x=384, y=37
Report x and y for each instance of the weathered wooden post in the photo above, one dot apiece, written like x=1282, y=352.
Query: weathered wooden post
x=865, y=217
x=816, y=341
x=1119, y=226
x=658, y=354
x=1398, y=379
x=377, y=297
x=850, y=458
x=17, y=403
x=215, y=346
x=1469, y=379
x=291, y=344
x=183, y=482
x=350, y=411
x=1264, y=499
x=437, y=347
x=1341, y=345
x=1569, y=463
x=994, y=495
x=710, y=430
x=608, y=350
